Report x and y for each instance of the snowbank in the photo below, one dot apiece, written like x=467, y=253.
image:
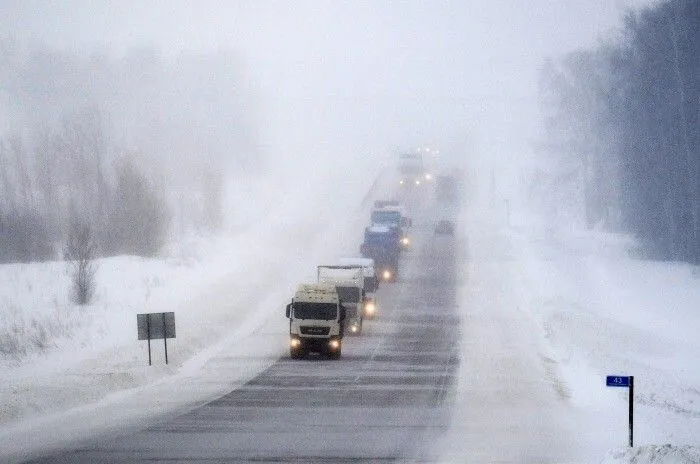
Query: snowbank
x=664, y=454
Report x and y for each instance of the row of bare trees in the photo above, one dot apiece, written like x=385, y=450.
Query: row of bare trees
x=53, y=179
x=134, y=146
x=623, y=130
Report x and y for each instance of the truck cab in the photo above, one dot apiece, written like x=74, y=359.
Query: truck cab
x=381, y=244
x=412, y=170
x=316, y=321
x=370, y=306
x=349, y=284
x=392, y=215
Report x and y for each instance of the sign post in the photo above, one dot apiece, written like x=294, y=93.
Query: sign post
x=155, y=326
x=628, y=382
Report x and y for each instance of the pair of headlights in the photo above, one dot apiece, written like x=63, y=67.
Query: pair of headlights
x=333, y=343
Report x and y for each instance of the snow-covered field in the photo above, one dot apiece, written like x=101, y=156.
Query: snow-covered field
x=575, y=305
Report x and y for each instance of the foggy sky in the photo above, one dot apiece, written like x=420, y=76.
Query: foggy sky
x=353, y=76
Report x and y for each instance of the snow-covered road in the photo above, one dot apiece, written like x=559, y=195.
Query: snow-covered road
x=511, y=405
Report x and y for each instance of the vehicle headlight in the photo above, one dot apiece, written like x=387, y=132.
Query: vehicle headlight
x=334, y=344
x=295, y=343
x=428, y=176
x=417, y=181
x=401, y=182
x=405, y=241
x=370, y=308
x=386, y=275
x=354, y=328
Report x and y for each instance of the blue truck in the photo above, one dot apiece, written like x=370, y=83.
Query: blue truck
x=382, y=243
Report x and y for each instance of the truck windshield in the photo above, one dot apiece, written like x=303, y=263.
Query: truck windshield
x=386, y=217
x=381, y=239
x=322, y=311
x=349, y=294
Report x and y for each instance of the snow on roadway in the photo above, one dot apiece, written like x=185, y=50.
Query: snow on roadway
x=546, y=315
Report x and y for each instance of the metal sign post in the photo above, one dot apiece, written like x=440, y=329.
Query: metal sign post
x=631, y=410
x=628, y=382
x=155, y=326
x=148, y=325
x=165, y=340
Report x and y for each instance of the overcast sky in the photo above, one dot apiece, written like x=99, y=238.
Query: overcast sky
x=371, y=75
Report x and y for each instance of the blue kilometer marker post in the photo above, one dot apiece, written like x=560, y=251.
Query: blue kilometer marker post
x=617, y=381
x=627, y=382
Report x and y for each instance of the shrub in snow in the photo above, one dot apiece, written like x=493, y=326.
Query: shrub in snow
x=81, y=252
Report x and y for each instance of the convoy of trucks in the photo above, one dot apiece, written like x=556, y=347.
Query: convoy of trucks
x=345, y=294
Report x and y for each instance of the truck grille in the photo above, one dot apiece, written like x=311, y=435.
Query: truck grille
x=311, y=330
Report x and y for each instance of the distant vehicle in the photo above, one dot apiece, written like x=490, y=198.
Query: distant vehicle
x=412, y=170
x=370, y=306
x=393, y=215
x=349, y=282
x=381, y=243
x=316, y=321
x=444, y=227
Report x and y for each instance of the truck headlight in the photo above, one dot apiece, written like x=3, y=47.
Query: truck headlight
x=370, y=308
x=405, y=241
x=334, y=344
x=386, y=274
x=417, y=181
x=295, y=343
x=428, y=176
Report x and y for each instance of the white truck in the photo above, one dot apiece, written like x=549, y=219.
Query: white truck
x=370, y=305
x=349, y=283
x=316, y=321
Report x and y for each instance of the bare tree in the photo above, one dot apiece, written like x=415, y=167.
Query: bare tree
x=81, y=251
